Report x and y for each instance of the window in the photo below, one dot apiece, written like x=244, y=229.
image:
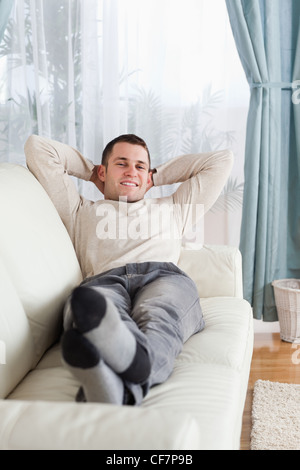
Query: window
x=85, y=71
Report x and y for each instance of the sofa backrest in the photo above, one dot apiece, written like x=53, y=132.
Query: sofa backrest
x=38, y=269
x=215, y=269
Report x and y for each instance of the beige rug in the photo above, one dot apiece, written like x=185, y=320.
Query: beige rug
x=275, y=416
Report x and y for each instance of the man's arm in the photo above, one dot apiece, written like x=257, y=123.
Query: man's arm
x=203, y=176
x=52, y=162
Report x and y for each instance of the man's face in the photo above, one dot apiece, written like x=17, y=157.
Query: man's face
x=127, y=173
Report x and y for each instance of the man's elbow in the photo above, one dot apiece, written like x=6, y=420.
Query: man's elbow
x=230, y=155
x=32, y=147
x=227, y=159
x=31, y=142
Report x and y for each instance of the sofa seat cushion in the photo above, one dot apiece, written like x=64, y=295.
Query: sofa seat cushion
x=221, y=346
x=209, y=380
x=69, y=426
x=228, y=324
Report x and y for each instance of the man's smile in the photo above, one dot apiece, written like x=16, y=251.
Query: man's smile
x=129, y=183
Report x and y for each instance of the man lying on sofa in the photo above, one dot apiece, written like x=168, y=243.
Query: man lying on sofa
x=127, y=321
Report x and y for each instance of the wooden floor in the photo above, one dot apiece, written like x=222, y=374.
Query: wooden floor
x=274, y=360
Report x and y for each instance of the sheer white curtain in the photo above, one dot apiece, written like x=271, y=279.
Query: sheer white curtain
x=85, y=71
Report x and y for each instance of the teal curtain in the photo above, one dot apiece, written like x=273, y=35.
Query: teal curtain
x=5, y=9
x=267, y=36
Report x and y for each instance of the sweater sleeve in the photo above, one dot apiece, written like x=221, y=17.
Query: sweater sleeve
x=203, y=177
x=52, y=162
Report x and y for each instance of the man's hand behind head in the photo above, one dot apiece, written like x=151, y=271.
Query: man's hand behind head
x=96, y=180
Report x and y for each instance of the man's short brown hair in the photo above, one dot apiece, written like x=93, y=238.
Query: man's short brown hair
x=130, y=139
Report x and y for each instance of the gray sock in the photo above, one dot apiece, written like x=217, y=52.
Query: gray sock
x=99, y=382
x=99, y=321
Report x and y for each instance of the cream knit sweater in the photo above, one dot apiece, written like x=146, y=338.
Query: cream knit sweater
x=107, y=234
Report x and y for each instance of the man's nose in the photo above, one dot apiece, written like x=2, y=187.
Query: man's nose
x=131, y=170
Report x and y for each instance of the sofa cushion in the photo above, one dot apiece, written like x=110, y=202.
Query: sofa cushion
x=223, y=264
x=39, y=259
x=228, y=321
x=15, y=336
x=73, y=426
x=223, y=343
x=208, y=382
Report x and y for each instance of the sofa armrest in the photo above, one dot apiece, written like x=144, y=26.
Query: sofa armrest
x=216, y=270
x=92, y=426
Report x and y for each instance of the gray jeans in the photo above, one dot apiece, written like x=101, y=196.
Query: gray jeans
x=160, y=305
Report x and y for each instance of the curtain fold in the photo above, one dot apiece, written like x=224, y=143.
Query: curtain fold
x=267, y=38
x=5, y=9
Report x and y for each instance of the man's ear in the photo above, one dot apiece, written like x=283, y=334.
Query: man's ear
x=101, y=173
x=150, y=181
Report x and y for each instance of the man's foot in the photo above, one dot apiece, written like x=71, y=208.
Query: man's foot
x=99, y=383
x=99, y=321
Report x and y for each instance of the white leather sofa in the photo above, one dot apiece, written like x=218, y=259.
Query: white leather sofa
x=199, y=407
